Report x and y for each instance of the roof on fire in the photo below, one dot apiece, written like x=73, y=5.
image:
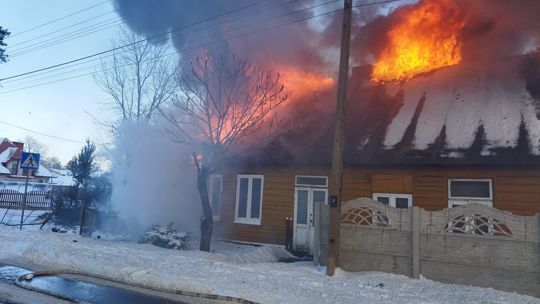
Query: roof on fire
x=466, y=114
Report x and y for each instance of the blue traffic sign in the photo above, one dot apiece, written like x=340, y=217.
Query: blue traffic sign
x=29, y=160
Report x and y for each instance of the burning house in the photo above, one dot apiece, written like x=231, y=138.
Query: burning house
x=425, y=126
x=443, y=110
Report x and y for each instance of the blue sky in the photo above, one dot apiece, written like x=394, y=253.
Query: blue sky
x=60, y=108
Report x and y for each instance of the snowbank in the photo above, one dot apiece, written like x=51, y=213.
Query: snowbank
x=246, y=275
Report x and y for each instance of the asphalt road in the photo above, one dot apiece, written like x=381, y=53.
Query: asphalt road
x=87, y=290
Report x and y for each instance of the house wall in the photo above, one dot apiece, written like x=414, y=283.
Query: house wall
x=515, y=189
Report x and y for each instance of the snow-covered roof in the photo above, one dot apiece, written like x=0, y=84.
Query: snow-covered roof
x=62, y=177
x=43, y=172
x=63, y=180
x=4, y=170
x=7, y=154
x=470, y=113
x=463, y=98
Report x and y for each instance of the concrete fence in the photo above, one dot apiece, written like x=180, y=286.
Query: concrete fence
x=471, y=244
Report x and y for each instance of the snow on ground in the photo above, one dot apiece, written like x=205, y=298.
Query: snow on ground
x=13, y=216
x=252, y=273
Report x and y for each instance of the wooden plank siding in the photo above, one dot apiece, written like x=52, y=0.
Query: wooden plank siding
x=514, y=189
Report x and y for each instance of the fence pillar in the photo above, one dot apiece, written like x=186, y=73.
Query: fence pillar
x=415, y=242
x=538, y=245
x=317, y=232
x=324, y=220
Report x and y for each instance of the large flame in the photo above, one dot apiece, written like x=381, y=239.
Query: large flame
x=300, y=83
x=297, y=83
x=425, y=38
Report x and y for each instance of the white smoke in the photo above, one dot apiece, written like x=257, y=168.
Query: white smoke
x=154, y=181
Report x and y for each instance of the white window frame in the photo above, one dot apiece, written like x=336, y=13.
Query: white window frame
x=310, y=185
x=392, y=198
x=463, y=200
x=248, y=219
x=215, y=215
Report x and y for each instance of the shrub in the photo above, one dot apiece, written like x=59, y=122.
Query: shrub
x=166, y=236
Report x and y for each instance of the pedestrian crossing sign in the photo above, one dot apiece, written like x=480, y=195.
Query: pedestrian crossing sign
x=29, y=160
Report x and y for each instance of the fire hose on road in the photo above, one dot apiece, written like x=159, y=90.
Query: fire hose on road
x=19, y=281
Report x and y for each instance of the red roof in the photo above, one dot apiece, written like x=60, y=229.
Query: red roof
x=6, y=144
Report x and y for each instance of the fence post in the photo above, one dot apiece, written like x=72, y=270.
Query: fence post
x=317, y=238
x=538, y=244
x=415, y=242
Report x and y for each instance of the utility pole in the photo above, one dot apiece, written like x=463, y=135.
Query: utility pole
x=336, y=175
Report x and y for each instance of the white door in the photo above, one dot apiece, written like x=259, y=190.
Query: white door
x=305, y=199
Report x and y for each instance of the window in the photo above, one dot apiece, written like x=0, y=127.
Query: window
x=313, y=181
x=396, y=200
x=464, y=191
x=215, y=185
x=14, y=167
x=249, y=194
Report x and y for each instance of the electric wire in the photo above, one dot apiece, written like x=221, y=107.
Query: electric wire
x=41, y=133
x=60, y=30
x=211, y=42
x=109, y=23
x=58, y=19
x=158, y=41
x=166, y=38
x=204, y=44
x=123, y=46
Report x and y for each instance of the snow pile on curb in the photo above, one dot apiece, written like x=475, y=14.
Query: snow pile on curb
x=262, y=254
x=229, y=274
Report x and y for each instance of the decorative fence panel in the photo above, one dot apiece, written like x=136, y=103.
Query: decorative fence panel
x=470, y=244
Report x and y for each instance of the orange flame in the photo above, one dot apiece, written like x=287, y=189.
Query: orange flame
x=425, y=38
x=299, y=83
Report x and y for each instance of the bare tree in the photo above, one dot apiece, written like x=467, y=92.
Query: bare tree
x=139, y=76
x=222, y=100
x=35, y=146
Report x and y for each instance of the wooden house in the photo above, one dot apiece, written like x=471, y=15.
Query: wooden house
x=460, y=134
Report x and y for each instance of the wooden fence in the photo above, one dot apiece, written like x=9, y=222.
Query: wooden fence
x=471, y=244
x=34, y=200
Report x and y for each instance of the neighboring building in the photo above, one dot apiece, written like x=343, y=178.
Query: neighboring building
x=10, y=170
x=13, y=180
x=62, y=178
x=461, y=134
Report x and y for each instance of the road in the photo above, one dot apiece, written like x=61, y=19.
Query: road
x=82, y=289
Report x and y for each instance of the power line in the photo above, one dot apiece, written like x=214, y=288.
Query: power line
x=61, y=29
x=182, y=50
x=66, y=37
x=95, y=59
x=58, y=19
x=189, y=48
x=123, y=46
x=42, y=134
x=13, y=47
x=45, y=71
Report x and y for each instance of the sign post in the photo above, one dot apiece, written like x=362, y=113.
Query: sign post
x=29, y=161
